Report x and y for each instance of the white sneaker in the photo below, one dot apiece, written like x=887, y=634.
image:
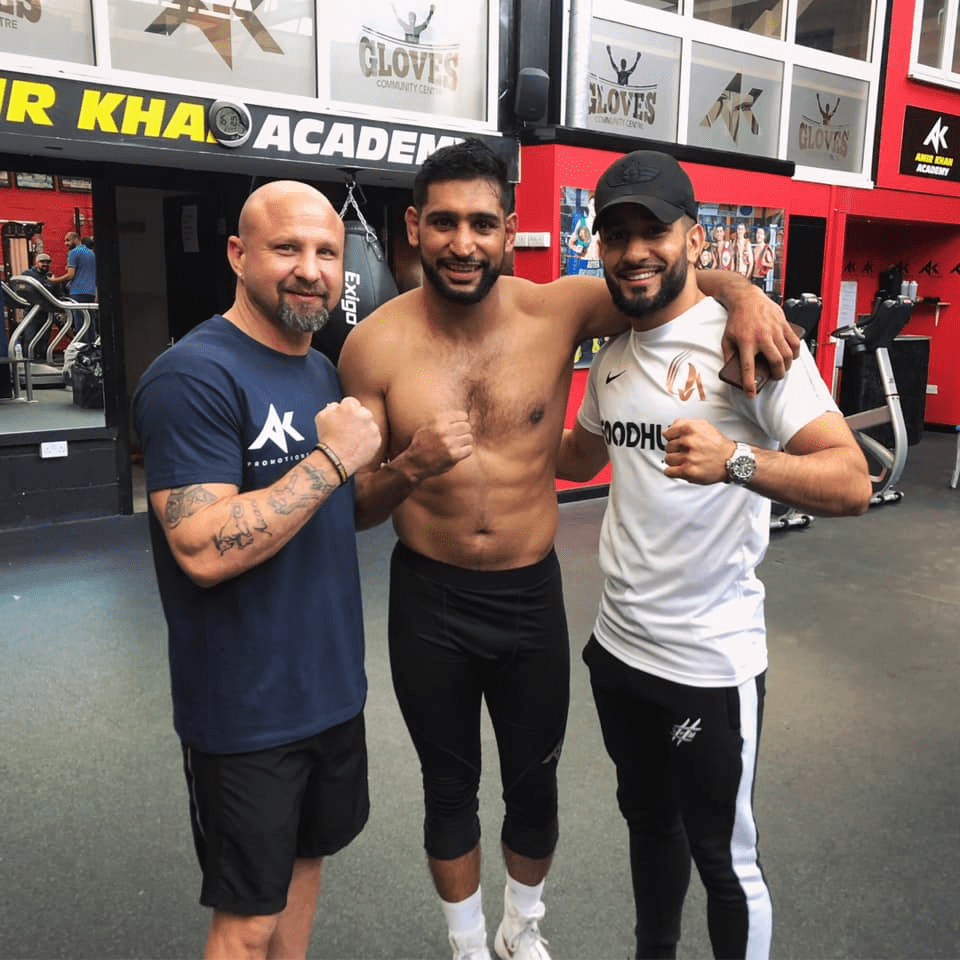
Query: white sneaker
x=470, y=946
x=518, y=936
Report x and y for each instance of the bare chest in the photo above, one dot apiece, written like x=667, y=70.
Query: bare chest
x=508, y=393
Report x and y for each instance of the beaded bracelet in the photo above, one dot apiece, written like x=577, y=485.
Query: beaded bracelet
x=335, y=460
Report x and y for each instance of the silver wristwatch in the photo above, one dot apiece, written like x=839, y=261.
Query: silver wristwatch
x=741, y=466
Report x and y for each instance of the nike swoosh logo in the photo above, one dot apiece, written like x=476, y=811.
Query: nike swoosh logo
x=613, y=376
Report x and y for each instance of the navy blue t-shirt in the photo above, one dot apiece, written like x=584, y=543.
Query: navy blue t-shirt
x=274, y=654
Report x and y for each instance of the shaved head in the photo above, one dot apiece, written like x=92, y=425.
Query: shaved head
x=280, y=197
x=288, y=256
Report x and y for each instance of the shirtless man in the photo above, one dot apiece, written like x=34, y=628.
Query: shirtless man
x=467, y=378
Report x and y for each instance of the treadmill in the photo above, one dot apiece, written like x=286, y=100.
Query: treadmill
x=33, y=296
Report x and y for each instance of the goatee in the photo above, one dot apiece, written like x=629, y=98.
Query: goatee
x=672, y=282
x=488, y=277
x=305, y=321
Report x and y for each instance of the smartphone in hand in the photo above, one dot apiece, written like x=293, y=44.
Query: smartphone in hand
x=730, y=371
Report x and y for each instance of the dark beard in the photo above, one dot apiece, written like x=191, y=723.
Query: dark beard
x=672, y=282
x=488, y=277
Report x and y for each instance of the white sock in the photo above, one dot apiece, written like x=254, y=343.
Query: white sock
x=524, y=899
x=464, y=917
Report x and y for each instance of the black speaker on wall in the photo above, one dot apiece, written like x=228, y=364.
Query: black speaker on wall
x=532, y=95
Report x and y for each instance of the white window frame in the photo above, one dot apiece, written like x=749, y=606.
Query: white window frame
x=786, y=51
x=942, y=76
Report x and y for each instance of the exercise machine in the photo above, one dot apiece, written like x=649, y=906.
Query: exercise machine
x=873, y=336
x=31, y=295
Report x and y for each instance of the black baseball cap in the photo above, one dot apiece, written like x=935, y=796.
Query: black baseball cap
x=649, y=179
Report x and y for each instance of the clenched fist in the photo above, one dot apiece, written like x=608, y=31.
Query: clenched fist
x=697, y=451
x=350, y=431
x=440, y=444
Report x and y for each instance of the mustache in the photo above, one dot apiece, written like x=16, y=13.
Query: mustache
x=462, y=262
x=307, y=291
x=632, y=265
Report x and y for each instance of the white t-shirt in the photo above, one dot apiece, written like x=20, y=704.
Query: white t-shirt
x=681, y=599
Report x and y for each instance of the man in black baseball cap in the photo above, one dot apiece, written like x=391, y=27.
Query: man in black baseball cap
x=646, y=193
x=678, y=654
x=39, y=271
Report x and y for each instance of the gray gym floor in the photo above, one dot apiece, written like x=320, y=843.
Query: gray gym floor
x=857, y=797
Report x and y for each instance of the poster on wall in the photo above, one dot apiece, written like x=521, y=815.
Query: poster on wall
x=258, y=45
x=734, y=101
x=828, y=116
x=57, y=31
x=746, y=240
x=428, y=58
x=578, y=250
x=634, y=78
x=927, y=150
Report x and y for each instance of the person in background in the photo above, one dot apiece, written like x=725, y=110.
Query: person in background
x=40, y=271
x=763, y=258
x=80, y=279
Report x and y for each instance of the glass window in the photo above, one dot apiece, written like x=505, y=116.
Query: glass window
x=828, y=116
x=242, y=45
x=418, y=56
x=58, y=31
x=764, y=17
x=734, y=101
x=932, y=25
x=956, y=48
x=634, y=81
x=841, y=28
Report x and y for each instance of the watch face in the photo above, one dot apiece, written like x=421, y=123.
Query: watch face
x=742, y=468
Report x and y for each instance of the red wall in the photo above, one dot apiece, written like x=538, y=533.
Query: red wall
x=55, y=209
x=873, y=245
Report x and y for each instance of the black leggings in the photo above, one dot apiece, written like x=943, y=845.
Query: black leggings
x=458, y=635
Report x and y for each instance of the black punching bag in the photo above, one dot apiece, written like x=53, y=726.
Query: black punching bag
x=367, y=284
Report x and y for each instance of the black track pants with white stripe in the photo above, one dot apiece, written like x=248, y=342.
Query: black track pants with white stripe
x=686, y=760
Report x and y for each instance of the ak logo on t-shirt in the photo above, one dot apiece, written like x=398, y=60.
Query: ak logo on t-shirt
x=693, y=381
x=276, y=430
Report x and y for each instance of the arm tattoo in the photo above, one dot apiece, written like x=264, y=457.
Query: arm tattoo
x=234, y=533
x=318, y=481
x=185, y=502
x=287, y=499
x=261, y=525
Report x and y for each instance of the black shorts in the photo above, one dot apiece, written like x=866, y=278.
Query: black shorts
x=253, y=814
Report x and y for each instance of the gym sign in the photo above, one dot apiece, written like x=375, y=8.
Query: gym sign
x=96, y=121
x=930, y=144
